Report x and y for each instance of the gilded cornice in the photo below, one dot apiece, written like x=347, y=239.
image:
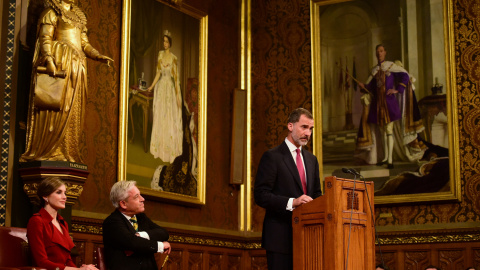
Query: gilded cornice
x=429, y=237
x=93, y=226
x=205, y=241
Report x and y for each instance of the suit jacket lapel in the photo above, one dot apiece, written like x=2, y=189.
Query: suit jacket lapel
x=61, y=239
x=57, y=237
x=290, y=163
x=127, y=222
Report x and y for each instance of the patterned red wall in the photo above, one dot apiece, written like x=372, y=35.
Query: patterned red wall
x=281, y=74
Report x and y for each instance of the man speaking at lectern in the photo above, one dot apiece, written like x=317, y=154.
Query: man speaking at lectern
x=287, y=177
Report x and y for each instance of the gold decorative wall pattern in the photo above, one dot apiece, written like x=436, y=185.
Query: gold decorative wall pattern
x=101, y=122
x=467, y=30
x=281, y=75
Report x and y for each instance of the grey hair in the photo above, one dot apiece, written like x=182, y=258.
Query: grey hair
x=119, y=191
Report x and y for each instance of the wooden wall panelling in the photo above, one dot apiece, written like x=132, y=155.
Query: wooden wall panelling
x=476, y=257
x=183, y=256
x=412, y=250
x=416, y=259
x=86, y=245
x=195, y=259
x=214, y=260
x=175, y=261
x=453, y=259
x=198, y=257
x=256, y=260
x=234, y=262
x=447, y=256
x=79, y=252
x=389, y=258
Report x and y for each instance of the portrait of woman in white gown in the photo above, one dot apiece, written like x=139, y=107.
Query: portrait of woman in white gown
x=165, y=55
x=167, y=131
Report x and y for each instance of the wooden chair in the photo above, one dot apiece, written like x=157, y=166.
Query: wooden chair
x=98, y=258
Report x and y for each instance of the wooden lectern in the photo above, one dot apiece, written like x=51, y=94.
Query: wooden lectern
x=322, y=234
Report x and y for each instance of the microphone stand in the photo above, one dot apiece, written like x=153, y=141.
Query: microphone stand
x=351, y=216
x=354, y=172
x=373, y=219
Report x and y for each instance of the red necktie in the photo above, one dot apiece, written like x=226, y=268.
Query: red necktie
x=301, y=171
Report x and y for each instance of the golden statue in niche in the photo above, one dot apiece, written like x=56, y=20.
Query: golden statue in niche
x=59, y=83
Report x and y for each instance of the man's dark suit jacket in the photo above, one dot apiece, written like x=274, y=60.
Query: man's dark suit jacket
x=278, y=180
x=125, y=250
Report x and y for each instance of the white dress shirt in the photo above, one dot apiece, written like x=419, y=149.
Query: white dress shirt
x=293, y=151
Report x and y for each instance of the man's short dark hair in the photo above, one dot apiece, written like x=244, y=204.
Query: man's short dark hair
x=380, y=45
x=297, y=113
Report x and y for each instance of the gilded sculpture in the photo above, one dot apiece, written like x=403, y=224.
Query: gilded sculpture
x=59, y=83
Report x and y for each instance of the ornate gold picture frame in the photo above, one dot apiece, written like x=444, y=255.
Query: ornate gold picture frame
x=163, y=100
x=340, y=62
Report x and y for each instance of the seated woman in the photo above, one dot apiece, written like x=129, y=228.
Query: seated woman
x=47, y=231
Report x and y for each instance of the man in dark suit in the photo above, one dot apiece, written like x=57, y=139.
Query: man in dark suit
x=287, y=177
x=130, y=238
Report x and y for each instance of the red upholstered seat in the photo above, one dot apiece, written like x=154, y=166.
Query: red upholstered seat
x=14, y=250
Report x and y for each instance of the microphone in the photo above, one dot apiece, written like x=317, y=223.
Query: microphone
x=350, y=171
x=354, y=172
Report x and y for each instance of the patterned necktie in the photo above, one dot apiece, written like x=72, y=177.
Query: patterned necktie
x=134, y=223
x=301, y=171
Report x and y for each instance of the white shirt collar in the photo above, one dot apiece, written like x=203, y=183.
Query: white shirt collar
x=291, y=146
x=128, y=217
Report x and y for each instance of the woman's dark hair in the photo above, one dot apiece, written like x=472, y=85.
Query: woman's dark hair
x=169, y=40
x=47, y=187
x=382, y=266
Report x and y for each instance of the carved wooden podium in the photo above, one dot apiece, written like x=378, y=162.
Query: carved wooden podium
x=326, y=229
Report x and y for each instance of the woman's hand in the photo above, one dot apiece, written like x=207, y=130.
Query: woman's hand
x=88, y=267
